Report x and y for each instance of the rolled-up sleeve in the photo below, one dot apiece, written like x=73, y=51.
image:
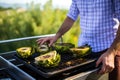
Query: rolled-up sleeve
x=117, y=9
x=73, y=11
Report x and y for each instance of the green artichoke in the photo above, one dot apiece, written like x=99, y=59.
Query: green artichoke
x=25, y=52
x=63, y=47
x=42, y=49
x=81, y=51
x=50, y=59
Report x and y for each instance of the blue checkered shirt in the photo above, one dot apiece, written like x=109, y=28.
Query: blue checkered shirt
x=96, y=22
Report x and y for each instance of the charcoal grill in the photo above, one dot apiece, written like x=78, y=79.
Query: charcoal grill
x=81, y=64
x=39, y=76
x=35, y=73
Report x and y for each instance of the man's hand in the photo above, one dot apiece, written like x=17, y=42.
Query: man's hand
x=49, y=40
x=107, y=60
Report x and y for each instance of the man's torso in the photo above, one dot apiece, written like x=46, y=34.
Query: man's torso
x=96, y=23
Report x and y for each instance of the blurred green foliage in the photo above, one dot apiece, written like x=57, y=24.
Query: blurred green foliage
x=18, y=23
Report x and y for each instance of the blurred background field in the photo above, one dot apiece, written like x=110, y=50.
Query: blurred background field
x=34, y=21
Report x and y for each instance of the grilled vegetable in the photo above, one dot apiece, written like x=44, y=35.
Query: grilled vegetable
x=81, y=51
x=63, y=47
x=25, y=52
x=50, y=59
x=42, y=49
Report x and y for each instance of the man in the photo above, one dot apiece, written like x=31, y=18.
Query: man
x=96, y=22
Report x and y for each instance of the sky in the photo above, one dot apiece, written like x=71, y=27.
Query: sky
x=56, y=3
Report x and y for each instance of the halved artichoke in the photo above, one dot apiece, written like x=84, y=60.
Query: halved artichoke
x=25, y=52
x=42, y=49
x=50, y=59
x=81, y=51
x=63, y=47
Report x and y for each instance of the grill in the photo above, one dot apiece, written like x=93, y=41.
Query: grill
x=30, y=71
x=41, y=73
x=64, y=65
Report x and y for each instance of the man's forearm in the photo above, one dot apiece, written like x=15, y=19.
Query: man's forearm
x=67, y=24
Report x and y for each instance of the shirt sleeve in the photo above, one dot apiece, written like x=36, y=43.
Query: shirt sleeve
x=73, y=11
x=117, y=9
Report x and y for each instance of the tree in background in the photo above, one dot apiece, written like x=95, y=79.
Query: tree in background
x=33, y=22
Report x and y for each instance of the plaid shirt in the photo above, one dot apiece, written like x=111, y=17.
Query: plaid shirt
x=96, y=22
